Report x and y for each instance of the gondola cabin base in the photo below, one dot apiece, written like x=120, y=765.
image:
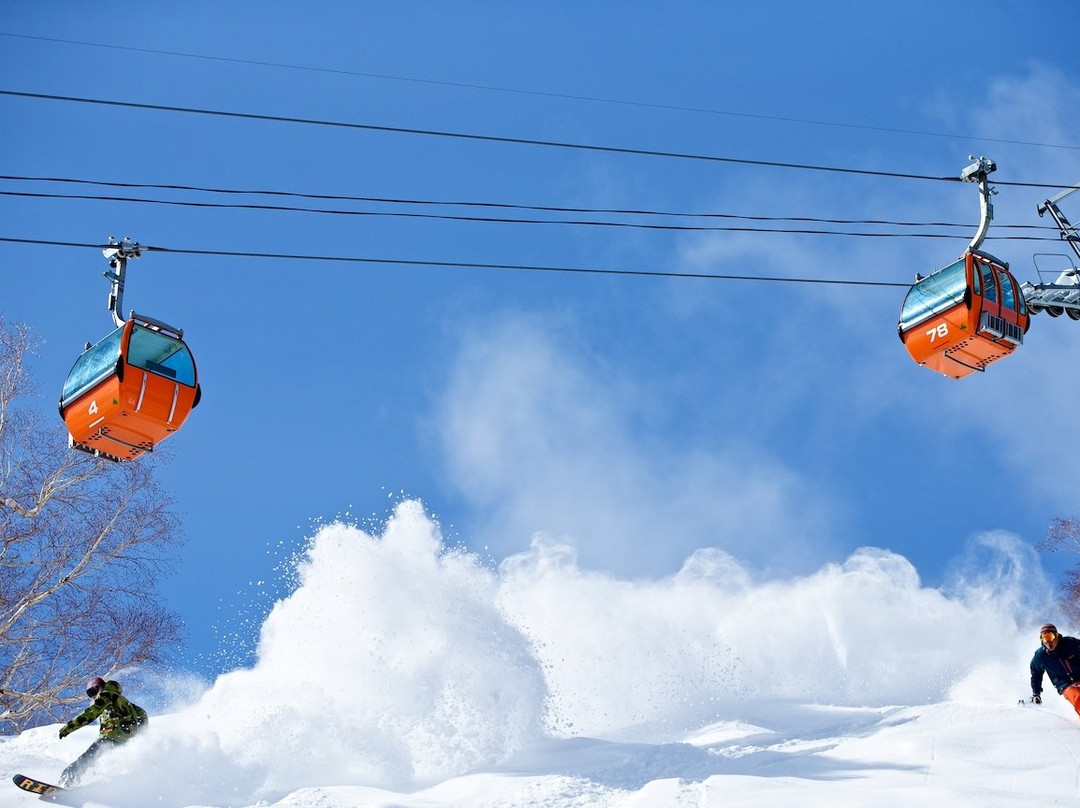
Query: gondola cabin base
x=964, y=317
x=129, y=392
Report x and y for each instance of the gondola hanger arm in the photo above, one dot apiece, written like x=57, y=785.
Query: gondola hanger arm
x=118, y=253
x=1067, y=228
x=978, y=172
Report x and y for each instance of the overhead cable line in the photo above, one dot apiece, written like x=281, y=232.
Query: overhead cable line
x=537, y=93
x=506, y=220
x=475, y=204
x=468, y=264
x=458, y=135
x=596, y=148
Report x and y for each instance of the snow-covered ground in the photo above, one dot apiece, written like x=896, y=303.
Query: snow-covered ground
x=951, y=754
x=401, y=673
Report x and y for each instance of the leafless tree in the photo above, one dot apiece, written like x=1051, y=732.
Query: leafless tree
x=83, y=543
x=1064, y=535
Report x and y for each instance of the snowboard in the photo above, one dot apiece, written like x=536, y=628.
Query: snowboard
x=45, y=791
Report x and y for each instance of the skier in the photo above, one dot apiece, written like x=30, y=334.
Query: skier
x=1059, y=658
x=119, y=720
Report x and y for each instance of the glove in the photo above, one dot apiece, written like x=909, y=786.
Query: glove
x=1035, y=699
x=64, y=731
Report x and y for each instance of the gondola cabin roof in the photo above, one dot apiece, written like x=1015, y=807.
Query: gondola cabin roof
x=965, y=316
x=130, y=391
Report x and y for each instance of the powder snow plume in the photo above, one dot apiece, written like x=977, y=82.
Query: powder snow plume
x=390, y=664
x=397, y=662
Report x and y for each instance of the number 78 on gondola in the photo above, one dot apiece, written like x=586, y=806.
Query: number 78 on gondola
x=973, y=312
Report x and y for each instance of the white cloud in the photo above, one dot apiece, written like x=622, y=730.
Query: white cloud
x=542, y=438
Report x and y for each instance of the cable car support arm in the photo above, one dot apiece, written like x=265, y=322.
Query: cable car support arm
x=118, y=253
x=1068, y=230
x=1063, y=295
x=978, y=172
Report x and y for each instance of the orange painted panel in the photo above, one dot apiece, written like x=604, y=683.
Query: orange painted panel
x=125, y=419
x=950, y=345
x=128, y=413
x=950, y=342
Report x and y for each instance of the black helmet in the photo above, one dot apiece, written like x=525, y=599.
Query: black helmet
x=94, y=685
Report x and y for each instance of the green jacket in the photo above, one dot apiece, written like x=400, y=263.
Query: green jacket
x=119, y=718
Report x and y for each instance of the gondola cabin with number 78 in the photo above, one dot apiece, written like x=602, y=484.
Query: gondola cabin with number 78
x=965, y=316
x=970, y=314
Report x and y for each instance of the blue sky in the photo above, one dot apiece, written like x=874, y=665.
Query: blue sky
x=640, y=418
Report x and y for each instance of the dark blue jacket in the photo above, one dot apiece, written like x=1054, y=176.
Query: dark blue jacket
x=1062, y=665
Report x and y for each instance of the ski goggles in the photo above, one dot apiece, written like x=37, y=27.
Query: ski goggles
x=1048, y=636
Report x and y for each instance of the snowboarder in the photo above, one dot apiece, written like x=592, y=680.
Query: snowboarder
x=1059, y=658
x=119, y=720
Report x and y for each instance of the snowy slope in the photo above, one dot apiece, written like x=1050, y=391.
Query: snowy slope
x=400, y=673
x=956, y=754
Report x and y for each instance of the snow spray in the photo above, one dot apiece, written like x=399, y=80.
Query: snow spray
x=397, y=662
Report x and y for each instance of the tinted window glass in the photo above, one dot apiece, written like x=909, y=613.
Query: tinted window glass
x=1008, y=293
x=933, y=294
x=988, y=281
x=162, y=355
x=94, y=366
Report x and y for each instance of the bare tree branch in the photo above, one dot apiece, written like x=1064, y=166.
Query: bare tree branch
x=83, y=543
x=1064, y=535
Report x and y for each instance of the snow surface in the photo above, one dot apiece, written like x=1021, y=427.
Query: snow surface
x=400, y=672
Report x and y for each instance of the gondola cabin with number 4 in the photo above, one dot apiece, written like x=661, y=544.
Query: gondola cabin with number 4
x=129, y=392
x=965, y=316
x=136, y=386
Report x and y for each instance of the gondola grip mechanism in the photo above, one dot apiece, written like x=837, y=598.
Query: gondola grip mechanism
x=118, y=253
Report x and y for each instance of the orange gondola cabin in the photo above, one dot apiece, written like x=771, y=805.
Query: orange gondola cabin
x=129, y=392
x=965, y=316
